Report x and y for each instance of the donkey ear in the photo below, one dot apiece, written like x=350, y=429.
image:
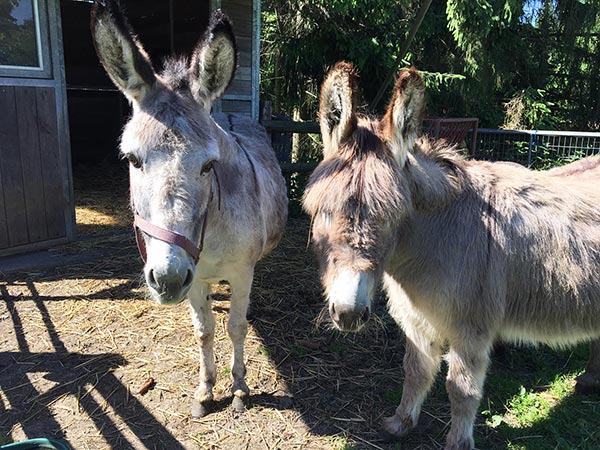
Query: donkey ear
x=214, y=61
x=122, y=56
x=337, y=117
x=404, y=117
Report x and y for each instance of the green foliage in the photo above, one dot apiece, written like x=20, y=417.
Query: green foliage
x=17, y=39
x=530, y=110
x=530, y=405
x=477, y=55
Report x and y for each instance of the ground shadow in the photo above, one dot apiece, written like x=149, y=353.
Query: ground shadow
x=72, y=374
x=342, y=385
x=345, y=384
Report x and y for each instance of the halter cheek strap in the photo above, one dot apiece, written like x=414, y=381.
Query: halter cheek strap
x=171, y=237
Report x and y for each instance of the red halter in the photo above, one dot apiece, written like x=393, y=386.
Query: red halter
x=171, y=237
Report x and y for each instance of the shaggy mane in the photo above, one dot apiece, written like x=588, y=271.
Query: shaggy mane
x=361, y=175
x=175, y=73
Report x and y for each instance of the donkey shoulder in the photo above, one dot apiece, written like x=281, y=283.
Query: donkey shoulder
x=254, y=141
x=248, y=133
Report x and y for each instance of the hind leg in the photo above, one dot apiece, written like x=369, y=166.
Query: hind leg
x=237, y=328
x=204, y=325
x=421, y=364
x=587, y=383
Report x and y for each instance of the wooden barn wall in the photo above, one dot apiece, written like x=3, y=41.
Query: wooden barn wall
x=32, y=182
x=241, y=96
x=36, y=194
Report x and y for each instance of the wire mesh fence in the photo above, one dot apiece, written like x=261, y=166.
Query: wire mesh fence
x=535, y=149
x=298, y=147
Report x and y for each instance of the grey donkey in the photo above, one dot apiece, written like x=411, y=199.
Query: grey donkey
x=208, y=195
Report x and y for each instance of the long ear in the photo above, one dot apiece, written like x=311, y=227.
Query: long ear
x=404, y=117
x=337, y=108
x=214, y=61
x=122, y=56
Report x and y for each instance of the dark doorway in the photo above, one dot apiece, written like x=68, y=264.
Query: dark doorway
x=97, y=111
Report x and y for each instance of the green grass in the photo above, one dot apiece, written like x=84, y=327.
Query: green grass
x=530, y=403
x=264, y=351
x=338, y=443
x=336, y=347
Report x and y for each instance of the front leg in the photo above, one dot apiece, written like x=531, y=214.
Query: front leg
x=204, y=325
x=467, y=366
x=237, y=328
x=422, y=358
x=587, y=382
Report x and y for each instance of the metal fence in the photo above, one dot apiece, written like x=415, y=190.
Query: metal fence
x=298, y=146
x=535, y=149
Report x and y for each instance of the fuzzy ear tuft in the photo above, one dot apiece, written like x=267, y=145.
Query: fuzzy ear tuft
x=122, y=56
x=404, y=117
x=214, y=61
x=337, y=110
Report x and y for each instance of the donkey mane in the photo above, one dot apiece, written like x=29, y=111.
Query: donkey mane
x=363, y=174
x=360, y=175
x=437, y=172
x=175, y=73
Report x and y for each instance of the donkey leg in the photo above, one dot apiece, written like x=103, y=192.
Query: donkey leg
x=204, y=324
x=587, y=382
x=421, y=364
x=237, y=328
x=467, y=366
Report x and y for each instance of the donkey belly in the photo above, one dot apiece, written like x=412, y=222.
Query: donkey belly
x=553, y=316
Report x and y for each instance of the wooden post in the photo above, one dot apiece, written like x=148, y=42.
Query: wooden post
x=266, y=111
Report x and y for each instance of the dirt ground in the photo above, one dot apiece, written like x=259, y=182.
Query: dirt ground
x=78, y=341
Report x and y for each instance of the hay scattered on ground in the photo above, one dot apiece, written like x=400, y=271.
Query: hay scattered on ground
x=77, y=342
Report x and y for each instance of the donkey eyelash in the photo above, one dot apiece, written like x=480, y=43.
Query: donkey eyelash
x=207, y=167
x=133, y=160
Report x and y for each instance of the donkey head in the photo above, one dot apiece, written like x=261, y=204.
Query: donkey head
x=357, y=195
x=172, y=144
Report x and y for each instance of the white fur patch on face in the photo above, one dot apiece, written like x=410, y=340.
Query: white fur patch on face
x=351, y=289
x=327, y=220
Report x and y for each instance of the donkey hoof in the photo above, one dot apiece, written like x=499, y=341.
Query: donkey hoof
x=394, y=427
x=238, y=404
x=462, y=444
x=199, y=409
x=586, y=384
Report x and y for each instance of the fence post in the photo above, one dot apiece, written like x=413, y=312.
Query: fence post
x=531, y=139
x=474, y=137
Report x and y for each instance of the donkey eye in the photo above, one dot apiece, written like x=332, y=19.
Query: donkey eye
x=207, y=167
x=134, y=161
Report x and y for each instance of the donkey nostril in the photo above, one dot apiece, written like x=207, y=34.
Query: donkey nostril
x=152, y=280
x=366, y=315
x=188, y=279
x=333, y=313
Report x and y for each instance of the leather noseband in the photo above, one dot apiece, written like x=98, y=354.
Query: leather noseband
x=142, y=225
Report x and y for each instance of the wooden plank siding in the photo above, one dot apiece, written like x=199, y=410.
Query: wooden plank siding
x=33, y=192
x=3, y=224
x=29, y=148
x=53, y=181
x=12, y=170
x=239, y=96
